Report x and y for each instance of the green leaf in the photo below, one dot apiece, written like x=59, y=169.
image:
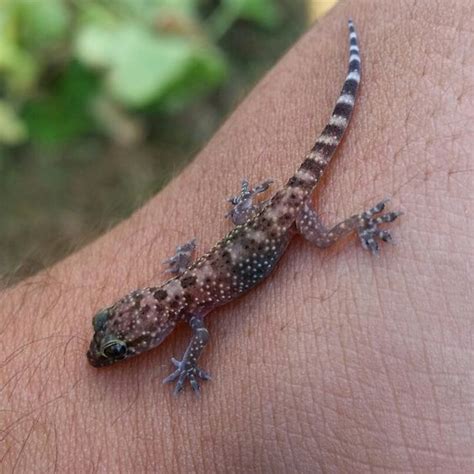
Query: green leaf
x=142, y=67
x=64, y=114
x=12, y=129
x=92, y=12
x=146, y=66
x=151, y=7
x=205, y=70
x=263, y=12
x=42, y=22
x=95, y=46
x=19, y=67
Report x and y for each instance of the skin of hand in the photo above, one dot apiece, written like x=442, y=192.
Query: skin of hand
x=339, y=362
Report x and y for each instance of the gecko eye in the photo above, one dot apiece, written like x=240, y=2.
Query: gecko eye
x=115, y=349
x=99, y=320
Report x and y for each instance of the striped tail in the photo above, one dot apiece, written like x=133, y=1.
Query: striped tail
x=314, y=165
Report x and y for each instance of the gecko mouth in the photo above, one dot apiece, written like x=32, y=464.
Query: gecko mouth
x=96, y=358
x=105, y=350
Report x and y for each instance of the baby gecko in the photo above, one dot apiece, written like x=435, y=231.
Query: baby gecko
x=142, y=319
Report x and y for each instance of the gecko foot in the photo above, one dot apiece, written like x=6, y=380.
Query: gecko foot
x=186, y=371
x=181, y=260
x=243, y=205
x=368, y=226
x=187, y=368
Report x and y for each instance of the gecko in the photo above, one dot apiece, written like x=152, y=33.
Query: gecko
x=141, y=320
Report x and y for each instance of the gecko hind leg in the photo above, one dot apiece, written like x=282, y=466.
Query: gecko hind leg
x=243, y=203
x=366, y=224
x=181, y=260
x=187, y=369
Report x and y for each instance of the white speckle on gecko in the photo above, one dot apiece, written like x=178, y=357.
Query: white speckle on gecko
x=141, y=320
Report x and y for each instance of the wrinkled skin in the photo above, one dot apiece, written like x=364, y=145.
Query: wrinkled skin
x=341, y=362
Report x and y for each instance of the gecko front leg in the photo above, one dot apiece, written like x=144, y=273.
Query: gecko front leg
x=181, y=260
x=366, y=224
x=187, y=368
x=244, y=205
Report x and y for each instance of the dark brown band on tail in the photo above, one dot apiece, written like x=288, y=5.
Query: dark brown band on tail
x=313, y=167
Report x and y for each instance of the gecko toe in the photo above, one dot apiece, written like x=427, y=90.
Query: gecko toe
x=368, y=229
x=186, y=372
x=243, y=203
x=385, y=236
x=202, y=374
x=179, y=384
x=172, y=377
x=195, y=385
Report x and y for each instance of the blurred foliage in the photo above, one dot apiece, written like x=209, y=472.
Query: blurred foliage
x=103, y=101
x=84, y=56
x=318, y=8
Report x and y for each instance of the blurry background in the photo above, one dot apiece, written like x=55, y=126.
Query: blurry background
x=103, y=101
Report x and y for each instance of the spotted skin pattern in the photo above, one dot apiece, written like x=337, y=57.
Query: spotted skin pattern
x=142, y=319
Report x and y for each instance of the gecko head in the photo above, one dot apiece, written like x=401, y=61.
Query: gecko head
x=106, y=347
x=136, y=323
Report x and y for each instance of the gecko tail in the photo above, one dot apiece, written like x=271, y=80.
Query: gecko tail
x=316, y=161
